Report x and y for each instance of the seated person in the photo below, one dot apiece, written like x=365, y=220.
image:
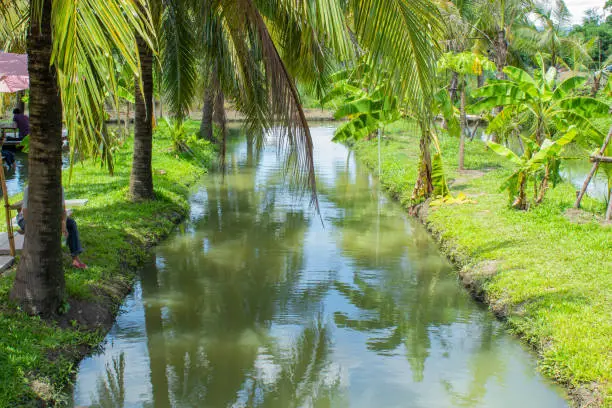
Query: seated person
x=69, y=230
x=8, y=158
x=22, y=122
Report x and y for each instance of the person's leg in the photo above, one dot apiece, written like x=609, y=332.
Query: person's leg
x=21, y=222
x=74, y=243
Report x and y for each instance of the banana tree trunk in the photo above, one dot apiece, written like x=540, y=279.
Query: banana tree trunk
x=464, y=126
x=596, y=84
x=543, y=186
x=521, y=201
x=39, y=282
x=141, y=179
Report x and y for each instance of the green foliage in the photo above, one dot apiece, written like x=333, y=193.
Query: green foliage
x=25, y=144
x=531, y=163
x=115, y=233
x=538, y=108
x=449, y=112
x=465, y=63
x=366, y=111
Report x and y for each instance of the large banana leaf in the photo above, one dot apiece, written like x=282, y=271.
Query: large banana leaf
x=497, y=94
x=523, y=80
x=505, y=152
x=449, y=112
x=585, y=107
x=518, y=75
x=566, y=87
x=438, y=177
x=551, y=149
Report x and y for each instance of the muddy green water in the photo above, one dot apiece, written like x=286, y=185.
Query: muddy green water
x=257, y=303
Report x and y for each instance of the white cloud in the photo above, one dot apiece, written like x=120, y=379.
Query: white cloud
x=578, y=7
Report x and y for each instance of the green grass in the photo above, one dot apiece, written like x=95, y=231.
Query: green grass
x=37, y=358
x=549, y=277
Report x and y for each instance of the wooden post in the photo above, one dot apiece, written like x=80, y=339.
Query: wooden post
x=585, y=185
x=7, y=207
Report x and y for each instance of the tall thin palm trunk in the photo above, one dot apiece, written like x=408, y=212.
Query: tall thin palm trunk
x=501, y=53
x=141, y=179
x=464, y=126
x=39, y=283
x=220, y=119
x=452, y=89
x=206, y=126
x=501, y=59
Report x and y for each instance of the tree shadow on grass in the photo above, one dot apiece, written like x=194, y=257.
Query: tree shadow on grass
x=491, y=247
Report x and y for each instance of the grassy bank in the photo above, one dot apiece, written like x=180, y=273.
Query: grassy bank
x=546, y=271
x=37, y=359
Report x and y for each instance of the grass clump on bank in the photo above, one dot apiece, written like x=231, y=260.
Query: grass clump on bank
x=37, y=359
x=546, y=271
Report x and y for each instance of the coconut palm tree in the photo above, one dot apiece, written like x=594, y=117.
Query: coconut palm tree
x=69, y=66
x=261, y=47
x=498, y=21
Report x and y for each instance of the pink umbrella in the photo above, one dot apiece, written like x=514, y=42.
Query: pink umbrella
x=13, y=72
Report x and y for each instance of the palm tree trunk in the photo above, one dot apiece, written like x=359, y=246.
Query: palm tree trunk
x=452, y=89
x=39, y=283
x=424, y=184
x=596, y=84
x=141, y=179
x=464, y=126
x=501, y=59
x=501, y=53
x=206, y=126
x=220, y=119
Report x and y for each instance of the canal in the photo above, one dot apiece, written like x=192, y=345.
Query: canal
x=259, y=302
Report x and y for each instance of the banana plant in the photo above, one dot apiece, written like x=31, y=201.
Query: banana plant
x=543, y=109
x=534, y=165
x=365, y=111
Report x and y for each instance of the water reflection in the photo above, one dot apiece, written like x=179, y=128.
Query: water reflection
x=256, y=304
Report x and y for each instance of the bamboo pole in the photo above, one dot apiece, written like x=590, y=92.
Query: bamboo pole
x=585, y=185
x=601, y=159
x=7, y=206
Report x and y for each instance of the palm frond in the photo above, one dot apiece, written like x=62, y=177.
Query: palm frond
x=285, y=107
x=400, y=37
x=179, y=58
x=84, y=33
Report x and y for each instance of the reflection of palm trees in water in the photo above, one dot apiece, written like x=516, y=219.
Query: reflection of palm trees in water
x=110, y=389
x=230, y=279
x=400, y=285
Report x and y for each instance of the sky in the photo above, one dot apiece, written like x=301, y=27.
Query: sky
x=578, y=7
